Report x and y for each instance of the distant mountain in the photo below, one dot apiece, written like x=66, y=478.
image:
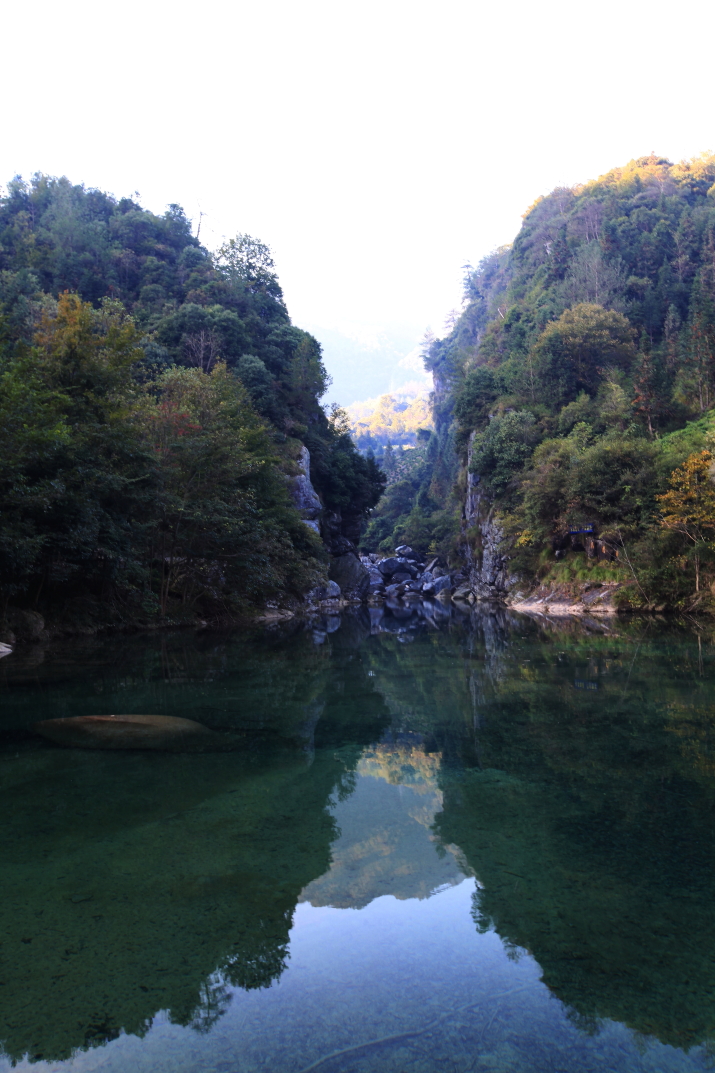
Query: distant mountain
x=370, y=360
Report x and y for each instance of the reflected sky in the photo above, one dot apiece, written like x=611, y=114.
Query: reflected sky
x=439, y=854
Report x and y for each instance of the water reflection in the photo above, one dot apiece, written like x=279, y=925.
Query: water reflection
x=396, y=752
x=386, y=843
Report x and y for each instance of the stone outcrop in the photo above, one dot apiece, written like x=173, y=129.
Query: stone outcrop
x=350, y=574
x=588, y=598
x=304, y=496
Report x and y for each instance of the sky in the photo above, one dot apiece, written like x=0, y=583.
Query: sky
x=376, y=147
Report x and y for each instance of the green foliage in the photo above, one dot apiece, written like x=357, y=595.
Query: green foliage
x=157, y=494
x=349, y=483
x=413, y=511
x=582, y=370
x=224, y=525
x=478, y=392
x=576, y=352
x=502, y=449
x=111, y=316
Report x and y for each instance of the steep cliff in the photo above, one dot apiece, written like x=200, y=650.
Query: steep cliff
x=573, y=397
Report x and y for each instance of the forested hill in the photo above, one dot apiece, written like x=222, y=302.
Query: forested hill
x=154, y=402
x=577, y=388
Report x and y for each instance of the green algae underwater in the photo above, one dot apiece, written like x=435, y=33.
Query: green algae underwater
x=432, y=840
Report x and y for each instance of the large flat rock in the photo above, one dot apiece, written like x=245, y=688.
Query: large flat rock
x=163, y=732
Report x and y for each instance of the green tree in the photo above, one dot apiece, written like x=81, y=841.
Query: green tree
x=575, y=352
x=225, y=524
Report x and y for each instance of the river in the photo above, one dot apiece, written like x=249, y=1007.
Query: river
x=429, y=840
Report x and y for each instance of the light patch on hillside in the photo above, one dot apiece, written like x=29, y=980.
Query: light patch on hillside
x=391, y=419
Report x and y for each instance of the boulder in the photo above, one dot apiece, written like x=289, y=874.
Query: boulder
x=401, y=575
x=388, y=566
x=331, y=591
x=350, y=574
x=441, y=584
x=404, y=550
x=5, y=650
x=395, y=565
x=163, y=732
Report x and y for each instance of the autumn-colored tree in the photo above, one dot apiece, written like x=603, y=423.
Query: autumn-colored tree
x=688, y=507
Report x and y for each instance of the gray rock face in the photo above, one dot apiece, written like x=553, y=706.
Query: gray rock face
x=350, y=574
x=489, y=574
x=304, y=496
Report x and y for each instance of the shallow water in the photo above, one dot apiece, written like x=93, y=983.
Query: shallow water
x=429, y=841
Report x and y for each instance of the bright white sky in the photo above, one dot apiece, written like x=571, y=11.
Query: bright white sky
x=375, y=146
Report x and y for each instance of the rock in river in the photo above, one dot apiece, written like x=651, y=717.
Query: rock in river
x=166, y=732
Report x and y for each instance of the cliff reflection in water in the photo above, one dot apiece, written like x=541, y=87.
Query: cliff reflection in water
x=587, y=814
x=139, y=882
x=386, y=843
x=392, y=755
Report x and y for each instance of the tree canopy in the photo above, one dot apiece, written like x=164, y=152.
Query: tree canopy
x=154, y=398
x=581, y=371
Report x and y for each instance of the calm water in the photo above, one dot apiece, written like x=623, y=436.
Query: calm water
x=428, y=842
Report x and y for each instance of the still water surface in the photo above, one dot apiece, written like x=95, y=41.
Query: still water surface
x=428, y=841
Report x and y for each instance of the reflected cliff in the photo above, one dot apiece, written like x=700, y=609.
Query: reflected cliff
x=570, y=769
x=577, y=774
x=386, y=842
x=139, y=882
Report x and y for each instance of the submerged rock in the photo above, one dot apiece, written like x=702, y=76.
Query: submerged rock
x=163, y=732
x=26, y=625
